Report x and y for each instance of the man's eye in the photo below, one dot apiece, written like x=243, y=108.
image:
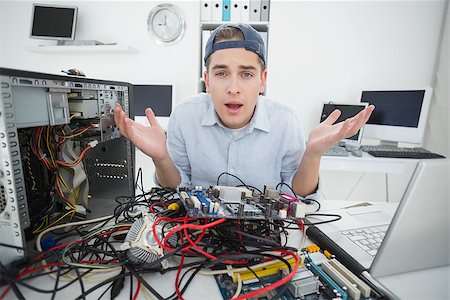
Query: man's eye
x=247, y=74
x=220, y=74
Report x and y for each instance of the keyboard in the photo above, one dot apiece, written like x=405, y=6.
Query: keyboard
x=400, y=152
x=336, y=150
x=369, y=239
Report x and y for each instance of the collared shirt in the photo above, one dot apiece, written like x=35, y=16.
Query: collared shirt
x=264, y=153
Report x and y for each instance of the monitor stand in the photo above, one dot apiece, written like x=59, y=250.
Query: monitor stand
x=388, y=144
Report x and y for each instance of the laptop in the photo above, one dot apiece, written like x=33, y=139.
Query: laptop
x=417, y=235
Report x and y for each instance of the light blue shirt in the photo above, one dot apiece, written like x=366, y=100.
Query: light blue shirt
x=266, y=152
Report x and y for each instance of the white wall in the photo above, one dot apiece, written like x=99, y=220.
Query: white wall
x=331, y=50
x=437, y=133
x=123, y=22
x=318, y=51
x=322, y=51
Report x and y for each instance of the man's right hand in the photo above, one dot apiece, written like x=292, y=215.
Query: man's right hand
x=149, y=139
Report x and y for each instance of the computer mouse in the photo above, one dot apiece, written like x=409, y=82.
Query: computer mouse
x=357, y=152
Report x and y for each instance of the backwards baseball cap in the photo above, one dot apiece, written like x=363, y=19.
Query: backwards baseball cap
x=252, y=41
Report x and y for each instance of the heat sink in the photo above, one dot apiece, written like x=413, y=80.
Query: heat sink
x=142, y=248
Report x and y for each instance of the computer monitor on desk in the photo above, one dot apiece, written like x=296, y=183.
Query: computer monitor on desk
x=399, y=115
x=348, y=110
x=160, y=97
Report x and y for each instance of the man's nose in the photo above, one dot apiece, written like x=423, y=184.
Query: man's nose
x=233, y=85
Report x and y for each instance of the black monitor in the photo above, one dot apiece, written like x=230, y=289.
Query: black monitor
x=399, y=115
x=347, y=111
x=159, y=97
x=53, y=22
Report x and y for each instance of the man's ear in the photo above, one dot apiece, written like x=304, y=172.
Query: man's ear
x=263, y=81
x=206, y=79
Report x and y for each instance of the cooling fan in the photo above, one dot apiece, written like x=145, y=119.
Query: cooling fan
x=142, y=248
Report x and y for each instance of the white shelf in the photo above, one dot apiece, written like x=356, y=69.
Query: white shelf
x=211, y=25
x=95, y=49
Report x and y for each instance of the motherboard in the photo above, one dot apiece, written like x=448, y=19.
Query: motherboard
x=240, y=203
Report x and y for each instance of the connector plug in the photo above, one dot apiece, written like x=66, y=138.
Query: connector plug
x=93, y=143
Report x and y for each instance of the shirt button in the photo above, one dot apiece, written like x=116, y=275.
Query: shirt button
x=230, y=170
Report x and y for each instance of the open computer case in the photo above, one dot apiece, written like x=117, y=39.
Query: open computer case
x=59, y=147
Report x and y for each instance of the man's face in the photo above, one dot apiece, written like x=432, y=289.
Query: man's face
x=234, y=80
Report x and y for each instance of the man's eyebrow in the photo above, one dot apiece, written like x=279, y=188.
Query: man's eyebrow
x=250, y=67
x=220, y=67
x=243, y=67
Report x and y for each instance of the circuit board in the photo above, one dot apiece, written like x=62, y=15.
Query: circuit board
x=240, y=203
x=227, y=288
x=312, y=281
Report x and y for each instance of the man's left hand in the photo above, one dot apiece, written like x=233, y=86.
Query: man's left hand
x=326, y=134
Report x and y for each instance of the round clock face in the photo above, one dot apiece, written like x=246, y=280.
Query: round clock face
x=166, y=24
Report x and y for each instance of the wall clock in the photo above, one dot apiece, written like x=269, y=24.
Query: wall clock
x=166, y=24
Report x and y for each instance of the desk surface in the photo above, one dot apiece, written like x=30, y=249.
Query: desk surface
x=366, y=163
x=202, y=287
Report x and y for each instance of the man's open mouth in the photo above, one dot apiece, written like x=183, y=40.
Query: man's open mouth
x=234, y=106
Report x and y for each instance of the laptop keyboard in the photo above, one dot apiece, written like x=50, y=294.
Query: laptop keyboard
x=369, y=238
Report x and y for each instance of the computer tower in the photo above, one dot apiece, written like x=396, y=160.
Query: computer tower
x=59, y=147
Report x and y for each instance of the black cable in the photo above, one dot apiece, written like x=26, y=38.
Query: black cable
x=306, y=201
x=58, y=273
x=250, y=187
x=106, y=281
x=144, y=282
x=318, y=203
x=229, y=174
x=290, y=188
x=45, y=274
x=188, y=282
x=254, y=273
x=80, y=280
x=256, y=237
x=11, y=282
x=131, y=287
x=105, y=291
x=285, y=286
x=308, y=222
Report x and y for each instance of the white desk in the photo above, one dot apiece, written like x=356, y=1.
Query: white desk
x=202, y=287
x=366, y=163
x=396, y=173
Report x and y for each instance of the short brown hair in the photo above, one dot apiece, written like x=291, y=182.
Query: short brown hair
x=231, y=34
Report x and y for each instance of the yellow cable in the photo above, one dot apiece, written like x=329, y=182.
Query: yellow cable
x=50, y=151
x=68, y=189
x=56, y=221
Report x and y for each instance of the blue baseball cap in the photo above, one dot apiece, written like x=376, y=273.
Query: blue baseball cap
x=252, y=41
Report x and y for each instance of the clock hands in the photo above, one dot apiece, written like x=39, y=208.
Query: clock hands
x=165, y=21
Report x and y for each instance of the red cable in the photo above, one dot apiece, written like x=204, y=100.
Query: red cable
x=157, y=203
x=192, y=226
x=194, y=244
x=137, y=290
x=177, y=278
x=275, y=284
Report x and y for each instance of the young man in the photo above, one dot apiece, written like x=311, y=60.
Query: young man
x=233, y=129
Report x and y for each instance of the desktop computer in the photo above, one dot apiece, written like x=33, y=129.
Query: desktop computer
x=400, y=116
x=59, y=149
